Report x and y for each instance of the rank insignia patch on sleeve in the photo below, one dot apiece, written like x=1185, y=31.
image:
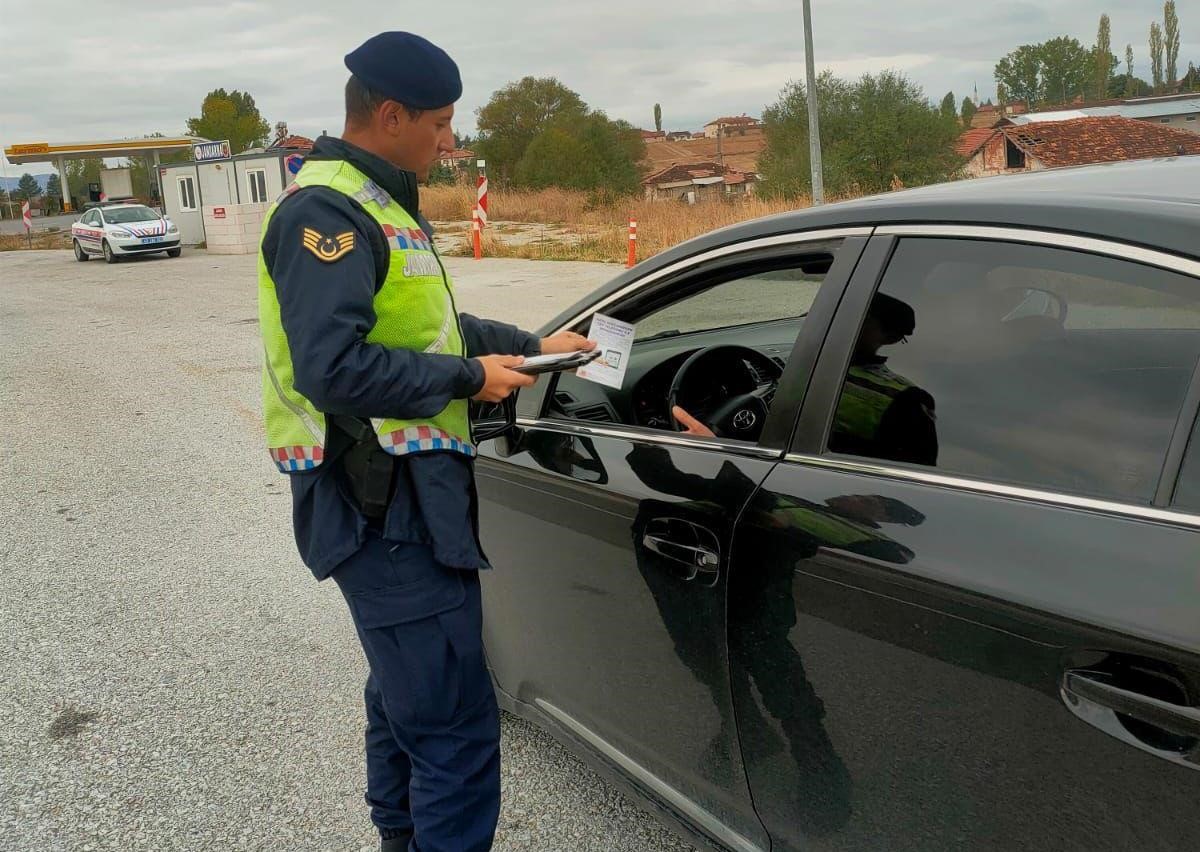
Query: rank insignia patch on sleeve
x=326, y=248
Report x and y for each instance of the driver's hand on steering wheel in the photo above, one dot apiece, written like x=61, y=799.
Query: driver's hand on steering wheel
x=691, y=426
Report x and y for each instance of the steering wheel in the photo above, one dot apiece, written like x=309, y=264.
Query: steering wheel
x=741, y=416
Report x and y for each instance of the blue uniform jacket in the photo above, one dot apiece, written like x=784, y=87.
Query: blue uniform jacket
x=327, y=311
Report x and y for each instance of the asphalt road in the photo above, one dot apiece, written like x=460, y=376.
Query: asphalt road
x=173, y=677
x=39, y=223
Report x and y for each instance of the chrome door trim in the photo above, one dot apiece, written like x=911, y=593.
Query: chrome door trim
x=797, y=238
x=671, y=440
x=996, y=489
x=694, y=812
x=1094, y=245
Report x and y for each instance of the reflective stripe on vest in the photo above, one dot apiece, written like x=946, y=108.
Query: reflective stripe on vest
x=865, y=397
x=414, y=309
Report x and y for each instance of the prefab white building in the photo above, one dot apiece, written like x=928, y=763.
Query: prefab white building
x=193, y=191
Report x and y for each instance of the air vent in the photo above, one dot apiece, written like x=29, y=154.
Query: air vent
x=563, y=398
x=597, y=413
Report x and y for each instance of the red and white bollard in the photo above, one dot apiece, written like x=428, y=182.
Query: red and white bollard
x=481, y=208
x=632, y=259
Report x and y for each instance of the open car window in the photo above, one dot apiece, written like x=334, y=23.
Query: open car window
x=714, y=343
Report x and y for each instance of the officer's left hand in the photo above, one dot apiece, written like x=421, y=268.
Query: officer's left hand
x=566, y=341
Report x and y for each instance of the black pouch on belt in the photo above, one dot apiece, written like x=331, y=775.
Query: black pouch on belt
x=367, y=469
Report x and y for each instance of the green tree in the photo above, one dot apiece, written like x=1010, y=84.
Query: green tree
x=233, y=116
x=516, y=114
x=587, y=153
x=27, y=188
x=80, y=173
x=1103, y=58
x=1124, y=86
x=1156, y=56
x=1066, y=68
x=441, y=174
x=1020, y=75
x=1171, y=42
x=949, y=106
x=54, y=192
x=1128, y=70
x=873, y=131
x=658, y=117
x=968, y=111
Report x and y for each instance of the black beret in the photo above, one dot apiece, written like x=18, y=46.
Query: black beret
x=407, y=68
x=894, y=315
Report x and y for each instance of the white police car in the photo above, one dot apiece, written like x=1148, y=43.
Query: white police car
x=123, y=229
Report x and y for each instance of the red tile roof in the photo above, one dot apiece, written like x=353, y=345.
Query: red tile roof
x=1100, y=139
x=654, y=134
x=458, y=154
x=973, y=140
x=733, y=119
x=294, y=143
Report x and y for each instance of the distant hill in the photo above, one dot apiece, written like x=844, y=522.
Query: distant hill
x=10, y=183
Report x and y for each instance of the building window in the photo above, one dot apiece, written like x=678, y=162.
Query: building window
x=1014, y=156
x=257, y=180
x=1190, y=118
x=187, y=194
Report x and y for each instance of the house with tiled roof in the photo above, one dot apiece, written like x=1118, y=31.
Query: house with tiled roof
x=292, y=143
x=458, y=159
x=732, y=125
x=692, y=182
x=1071, y=142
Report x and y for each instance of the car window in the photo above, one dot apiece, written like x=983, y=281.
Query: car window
x=1187, y=491
x=766, y=296
x=740, y=325
x=124, y=215
x=1022, y=364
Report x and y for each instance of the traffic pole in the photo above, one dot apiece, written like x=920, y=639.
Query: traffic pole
x=27, y=218
x=479, y=216
x=476, y=236
x=632, y=259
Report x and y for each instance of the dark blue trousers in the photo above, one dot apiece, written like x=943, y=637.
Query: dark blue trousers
x=433, y=730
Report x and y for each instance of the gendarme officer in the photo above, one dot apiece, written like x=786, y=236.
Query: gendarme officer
x=369, y=368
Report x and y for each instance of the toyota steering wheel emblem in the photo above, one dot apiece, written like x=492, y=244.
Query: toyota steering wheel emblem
x=744, y=419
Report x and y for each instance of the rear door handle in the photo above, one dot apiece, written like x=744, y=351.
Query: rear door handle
x=1093, y=699
x=696, y=557
x=687, y=544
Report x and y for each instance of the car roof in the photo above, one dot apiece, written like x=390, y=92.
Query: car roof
x=1155, y=203
x=1152, y=203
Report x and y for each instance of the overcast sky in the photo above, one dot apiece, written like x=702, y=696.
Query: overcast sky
x=98, y=70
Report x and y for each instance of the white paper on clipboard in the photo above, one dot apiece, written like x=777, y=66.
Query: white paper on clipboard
x=614, y=339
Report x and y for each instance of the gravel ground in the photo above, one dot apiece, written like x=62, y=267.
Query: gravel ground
x=173, y=677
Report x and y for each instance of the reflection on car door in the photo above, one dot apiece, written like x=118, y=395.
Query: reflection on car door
x=607, y=609
x=926, y=658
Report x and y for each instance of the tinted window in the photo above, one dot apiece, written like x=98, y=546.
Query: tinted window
x=1024, y=364
x=124, y=215
x=1187, y=492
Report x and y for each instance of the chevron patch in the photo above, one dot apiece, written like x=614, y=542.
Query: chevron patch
x=328, y=249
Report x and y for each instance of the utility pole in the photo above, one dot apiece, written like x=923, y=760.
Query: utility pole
x=814, y=129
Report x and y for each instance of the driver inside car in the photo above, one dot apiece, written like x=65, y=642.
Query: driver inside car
x=881, y=414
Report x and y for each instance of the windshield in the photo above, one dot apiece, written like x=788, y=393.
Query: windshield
x=121, y=215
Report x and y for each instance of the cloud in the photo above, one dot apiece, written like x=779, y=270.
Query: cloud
x=76, y=70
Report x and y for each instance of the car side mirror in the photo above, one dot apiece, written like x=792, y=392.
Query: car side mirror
x=493, y=419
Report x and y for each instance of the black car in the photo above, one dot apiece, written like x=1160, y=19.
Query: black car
x=935, y=581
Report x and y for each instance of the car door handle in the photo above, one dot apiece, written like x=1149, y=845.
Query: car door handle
x=700, y=558
x=1174, y=718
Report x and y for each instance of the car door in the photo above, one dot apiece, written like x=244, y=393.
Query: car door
x=965, y=610
x=605, y=615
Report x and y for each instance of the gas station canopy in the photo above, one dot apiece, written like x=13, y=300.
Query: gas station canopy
x=39, y=152
x=59, y=152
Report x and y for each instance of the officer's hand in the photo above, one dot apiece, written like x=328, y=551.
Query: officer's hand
x=566, y=341
x=498, y=380
x=691, y=426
